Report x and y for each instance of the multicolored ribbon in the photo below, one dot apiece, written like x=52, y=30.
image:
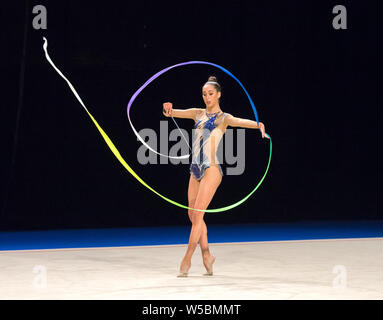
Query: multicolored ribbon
x=117, y=153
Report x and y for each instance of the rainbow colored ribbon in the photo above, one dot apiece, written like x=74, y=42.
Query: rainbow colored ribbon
x=117, y=153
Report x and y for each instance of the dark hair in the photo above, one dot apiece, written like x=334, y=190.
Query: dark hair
x=213, y=80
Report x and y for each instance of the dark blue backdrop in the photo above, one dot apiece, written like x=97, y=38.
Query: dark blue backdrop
x=315, y=88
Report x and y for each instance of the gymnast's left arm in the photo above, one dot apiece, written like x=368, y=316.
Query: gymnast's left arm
x=245, y=123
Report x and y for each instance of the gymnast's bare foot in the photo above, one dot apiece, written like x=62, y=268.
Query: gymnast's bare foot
x=208, y=263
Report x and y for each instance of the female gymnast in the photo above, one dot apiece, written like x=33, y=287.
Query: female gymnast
x=205, y=171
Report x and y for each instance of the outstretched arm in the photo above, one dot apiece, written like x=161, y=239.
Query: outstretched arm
x=245, y=123
x=168, y=111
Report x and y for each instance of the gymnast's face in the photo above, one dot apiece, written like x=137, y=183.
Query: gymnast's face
x=210, y=95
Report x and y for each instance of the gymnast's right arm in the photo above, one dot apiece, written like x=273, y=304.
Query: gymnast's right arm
x=168, y=111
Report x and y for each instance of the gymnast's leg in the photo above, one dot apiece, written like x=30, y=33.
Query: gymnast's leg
x=206, y=191
x=192, y=195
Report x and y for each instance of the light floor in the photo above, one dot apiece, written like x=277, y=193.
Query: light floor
x=307, y=269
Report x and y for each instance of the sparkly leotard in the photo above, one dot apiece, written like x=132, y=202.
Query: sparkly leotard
x=206, y=138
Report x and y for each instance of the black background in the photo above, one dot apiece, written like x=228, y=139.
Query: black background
x=315, y=88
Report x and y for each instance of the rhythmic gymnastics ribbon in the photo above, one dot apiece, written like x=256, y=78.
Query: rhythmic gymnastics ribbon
x=135, y=95
x=117, y=153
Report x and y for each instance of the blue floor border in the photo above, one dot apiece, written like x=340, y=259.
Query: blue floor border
x=115, y=237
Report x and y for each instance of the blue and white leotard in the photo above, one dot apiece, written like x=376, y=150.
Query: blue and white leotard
x=206, y=138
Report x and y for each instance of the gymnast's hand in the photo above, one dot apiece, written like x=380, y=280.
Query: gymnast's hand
x=263, y=131
x=167, y=109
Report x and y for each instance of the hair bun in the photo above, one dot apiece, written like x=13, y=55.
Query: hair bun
x=212, y=78
x=213, y=81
